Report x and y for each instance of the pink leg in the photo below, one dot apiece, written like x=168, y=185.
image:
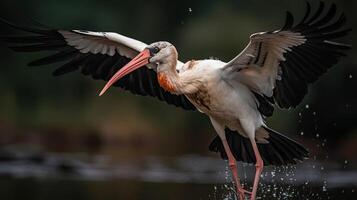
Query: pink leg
x=258, y=169
x=232, y=164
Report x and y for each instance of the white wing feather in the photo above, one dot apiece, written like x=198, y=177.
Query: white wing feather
x=103, y=42
x=107, y=43
x=257, y=66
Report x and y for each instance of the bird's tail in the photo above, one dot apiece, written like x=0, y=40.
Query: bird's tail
x=280, y=150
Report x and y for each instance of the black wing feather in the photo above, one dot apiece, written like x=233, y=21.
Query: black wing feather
x=289, y=21
x=306, y=62
x=57, y=57
x=141, y=82
x=317, y=13
x=307, y=13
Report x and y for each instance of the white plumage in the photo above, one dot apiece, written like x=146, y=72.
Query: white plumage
x=103, y=42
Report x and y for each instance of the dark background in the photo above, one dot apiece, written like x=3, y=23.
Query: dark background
x=41, y=113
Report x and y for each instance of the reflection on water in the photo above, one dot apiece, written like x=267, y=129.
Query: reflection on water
x=55, y=189
x=28, y=175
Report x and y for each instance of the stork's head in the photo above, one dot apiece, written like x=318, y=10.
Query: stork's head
x=162, y=54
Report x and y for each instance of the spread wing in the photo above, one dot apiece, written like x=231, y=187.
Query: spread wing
x=97, y=54
x=278, y=66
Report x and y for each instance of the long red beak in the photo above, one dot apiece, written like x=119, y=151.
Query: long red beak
x=139, y=61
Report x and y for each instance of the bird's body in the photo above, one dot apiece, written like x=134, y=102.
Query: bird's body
x=232, y=105
x=274, y=69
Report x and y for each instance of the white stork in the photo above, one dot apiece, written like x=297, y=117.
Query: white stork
x=274, y=69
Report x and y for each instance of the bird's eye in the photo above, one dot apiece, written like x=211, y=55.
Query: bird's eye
x=156, y=50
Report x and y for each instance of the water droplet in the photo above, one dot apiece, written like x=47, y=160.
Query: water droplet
x=272, y=173
x=189, y=9
x=322, y=168
x=300, y=114
x=350, y=76
x=314, y=113
x=302, y=133
x=346, y=162
x=307, y=106
x=317, y=135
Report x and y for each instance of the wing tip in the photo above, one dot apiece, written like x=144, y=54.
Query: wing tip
x=25, y=28
x=289, y=22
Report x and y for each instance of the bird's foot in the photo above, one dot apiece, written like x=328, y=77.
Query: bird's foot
x=245, y=191
x=241, y=193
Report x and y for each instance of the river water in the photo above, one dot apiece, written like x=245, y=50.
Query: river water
x=43, y=176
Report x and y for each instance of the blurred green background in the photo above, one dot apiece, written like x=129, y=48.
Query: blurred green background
x=42, y=113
